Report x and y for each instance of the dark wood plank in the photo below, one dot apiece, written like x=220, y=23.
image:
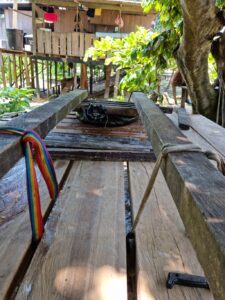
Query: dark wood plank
x=161, y=241
x=183, y=119
x=15, y=234
x=101, y=155
x=83, y=252
x=198, y=189
x=42, y=120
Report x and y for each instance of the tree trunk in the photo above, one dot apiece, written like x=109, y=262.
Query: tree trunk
x=200, y=26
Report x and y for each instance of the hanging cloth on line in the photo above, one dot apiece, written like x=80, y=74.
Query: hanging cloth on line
x=32, y=142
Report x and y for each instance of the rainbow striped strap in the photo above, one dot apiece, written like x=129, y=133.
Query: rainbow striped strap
x=32, y=142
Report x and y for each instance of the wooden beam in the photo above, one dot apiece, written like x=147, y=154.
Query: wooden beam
x=42, y=120
x=198, y=190
x=183, y=118
x=2, y=70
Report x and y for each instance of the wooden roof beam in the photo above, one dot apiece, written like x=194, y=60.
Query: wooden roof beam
x=198, y=190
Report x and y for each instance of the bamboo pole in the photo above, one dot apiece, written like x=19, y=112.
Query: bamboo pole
x=14, y=71
x=27, y=76
x=10, y=70
x=32, y=72
x=107, y=81
x=48, y=83
x=37, y=78
x=2, y=69
x=56, y=78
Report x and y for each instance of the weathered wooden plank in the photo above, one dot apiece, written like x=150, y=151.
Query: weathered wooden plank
x=88, y=40
x=40, y=42
x=69, y=43
x=83, y=252
x=56, y=43
x=161, y=242
x=48, y=42
x=198, y=189
x=42, y=120
x=15, y=235
x=62, y=43
x=210, y=131
x=82, y=44
x=75, y=44
x=101, y=155
x=78, y=141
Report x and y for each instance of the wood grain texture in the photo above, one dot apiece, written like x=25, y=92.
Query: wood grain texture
x=210, y=131
x=198, y=190
x=161, y=242
x=82, y=254
x=42, y=120
x=183, y=119
x=15, y=237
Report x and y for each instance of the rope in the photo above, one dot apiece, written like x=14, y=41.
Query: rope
x=31, y=141
x=166, y=149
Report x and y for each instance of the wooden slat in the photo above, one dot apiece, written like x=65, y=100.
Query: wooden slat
x=15, y=236
x=82, y=46
x=161, y=243
x=198, y=189
x=88, y=40
x=48, y=42
x=69, y=43
x=101, y=155
x=42, y=120
x=210, y=131
x=56, y=43
x=62, y=43
x=40, y=42
x=75, y=44
x=83, y=252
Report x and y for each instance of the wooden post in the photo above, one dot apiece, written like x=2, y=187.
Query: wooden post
x=26, y=70
x=56, y=78
x=107, y=81
x=20, y=71
x=34, y=50
x=14, y=14
x=32, y=72
x=47, y=71
x=50, y=75
x=91, y=79
x=14, y=71
x=116, y=85
x=10, y=70
x=83, y=77
x=75, y=75
x=2, y=69
x=37, y=78
x=43, y=75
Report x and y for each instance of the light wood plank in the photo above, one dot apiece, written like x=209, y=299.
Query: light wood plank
x=75, y=44
x=210, y=131
x=15, y=235
x=42, y=120
x=62, y=43
x=56, y=43
x=88, y=40
x=161, y=242
x=69, y=43
x=198, y=190
x=82, y=46
x=48, y=42
x=40, y=42
x=82, y=254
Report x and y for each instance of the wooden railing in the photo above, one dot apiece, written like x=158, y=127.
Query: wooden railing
x=65, y=44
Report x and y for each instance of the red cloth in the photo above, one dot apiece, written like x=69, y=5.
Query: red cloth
x=52, y=17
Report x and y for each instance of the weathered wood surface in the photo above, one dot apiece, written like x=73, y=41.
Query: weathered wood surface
x=183, y=119
x=101, y=155
x=198, y=189
x=15, y=234
x=161, y=241
x=42, y=120
x=210, y=131
x=83, y=253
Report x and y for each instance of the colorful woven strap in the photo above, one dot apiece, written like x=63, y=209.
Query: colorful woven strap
x=32, y=142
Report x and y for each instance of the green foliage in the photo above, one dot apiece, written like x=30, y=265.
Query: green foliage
x=15, y=100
